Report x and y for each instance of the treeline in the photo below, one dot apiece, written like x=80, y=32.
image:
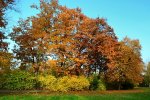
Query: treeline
x=63, y=46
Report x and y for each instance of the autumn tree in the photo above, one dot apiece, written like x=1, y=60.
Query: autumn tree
x=64, y=41
x=147, y=74
x=5, y=57
x=80, y=45
x=96, y=44
x=50, y=38
x=129, y=65
x=29, y=48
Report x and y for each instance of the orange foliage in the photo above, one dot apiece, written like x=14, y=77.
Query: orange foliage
x=78, y=44
x=129, y=63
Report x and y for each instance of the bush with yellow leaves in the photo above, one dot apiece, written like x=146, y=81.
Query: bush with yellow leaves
x=73, y=83
x=64, y=84
x=78, y=83
x=47, y=82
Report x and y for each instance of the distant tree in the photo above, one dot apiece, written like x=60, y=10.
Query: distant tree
x=147, y=74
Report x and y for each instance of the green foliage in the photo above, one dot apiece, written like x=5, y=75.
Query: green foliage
x=147, y=76
x=96, y=83
x=145, y=82
x=101, y=85
x=17, y=80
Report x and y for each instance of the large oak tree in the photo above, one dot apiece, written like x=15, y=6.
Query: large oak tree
x=80, y=45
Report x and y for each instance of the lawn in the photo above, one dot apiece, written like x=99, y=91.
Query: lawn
x=137, y=94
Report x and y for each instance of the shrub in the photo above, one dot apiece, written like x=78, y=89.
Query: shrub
x=47, y=82
x=127, y=85
x=112, y=85
x=17, y=80
x=94, y=82
x=62, y=84
x=123, y=86
x=78, y=83
x=101, y=85
x=20, y=80
x=73, y=83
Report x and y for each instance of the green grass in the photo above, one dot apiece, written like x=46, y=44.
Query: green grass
x=81, y=96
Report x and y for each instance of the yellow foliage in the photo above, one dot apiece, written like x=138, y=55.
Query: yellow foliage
x=64, y=84
x=78, y=83
x=72, y=83
x=47, y=82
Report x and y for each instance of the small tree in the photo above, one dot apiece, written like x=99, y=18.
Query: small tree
x=147, y=74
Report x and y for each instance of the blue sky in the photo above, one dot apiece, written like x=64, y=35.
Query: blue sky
x=127, y=17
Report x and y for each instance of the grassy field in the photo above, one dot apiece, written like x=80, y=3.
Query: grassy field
x=137, y=94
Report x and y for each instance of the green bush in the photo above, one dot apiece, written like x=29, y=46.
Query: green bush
x=101, y=85
x=17, y=80
x=96, y=83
